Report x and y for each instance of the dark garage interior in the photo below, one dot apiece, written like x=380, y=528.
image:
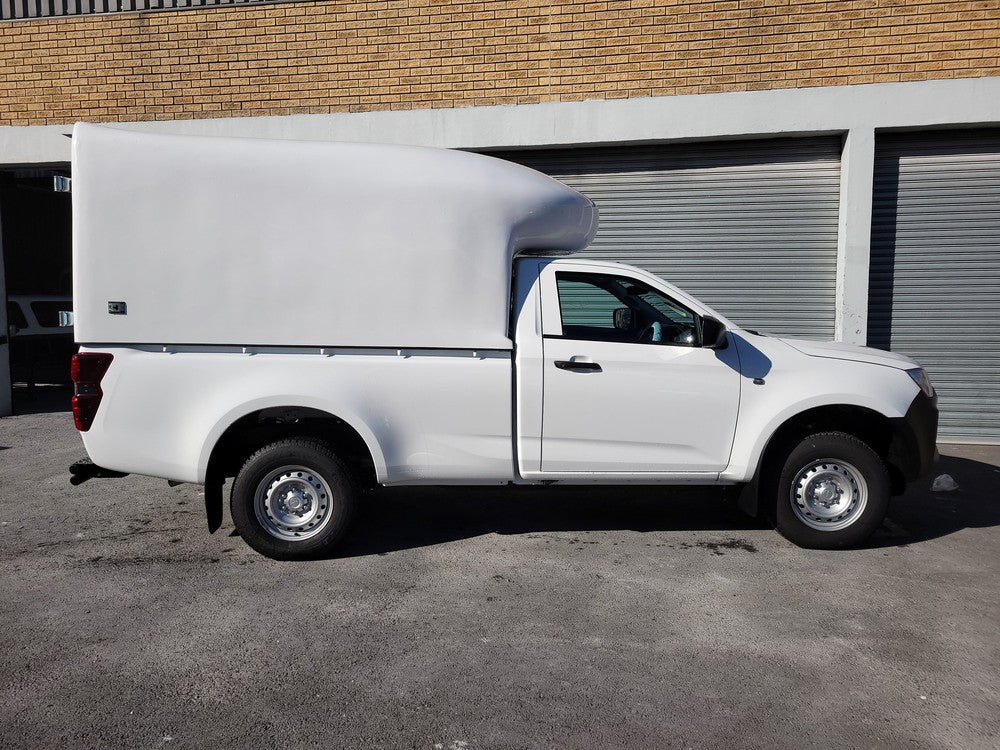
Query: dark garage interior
x=36, y=223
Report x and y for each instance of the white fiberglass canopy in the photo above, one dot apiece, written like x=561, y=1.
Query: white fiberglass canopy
x=239, y=241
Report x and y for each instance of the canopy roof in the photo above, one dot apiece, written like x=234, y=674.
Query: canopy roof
x=299, y=243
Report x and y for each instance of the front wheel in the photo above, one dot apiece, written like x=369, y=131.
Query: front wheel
x=833, y=492
x=293, y=499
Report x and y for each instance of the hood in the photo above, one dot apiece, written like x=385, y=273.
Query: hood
x=852, y=353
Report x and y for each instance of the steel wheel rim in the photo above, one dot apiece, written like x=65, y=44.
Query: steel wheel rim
x=828, y=494
x=293, y=503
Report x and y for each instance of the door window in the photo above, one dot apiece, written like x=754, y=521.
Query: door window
x=604, y=307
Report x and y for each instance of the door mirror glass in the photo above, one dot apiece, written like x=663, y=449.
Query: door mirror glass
x=713, y=333
x=623, y=319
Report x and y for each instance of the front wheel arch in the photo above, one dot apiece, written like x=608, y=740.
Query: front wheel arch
x=874, y=429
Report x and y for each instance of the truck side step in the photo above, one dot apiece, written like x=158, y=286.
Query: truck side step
x=85, y=469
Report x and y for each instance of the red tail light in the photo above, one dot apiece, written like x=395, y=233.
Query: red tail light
x=87, y=370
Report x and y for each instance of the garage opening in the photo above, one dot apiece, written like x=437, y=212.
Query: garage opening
x=749, y=227
x=36, y=237
x=935, y=269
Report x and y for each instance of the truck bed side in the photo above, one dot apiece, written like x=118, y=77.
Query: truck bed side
x=426, y=415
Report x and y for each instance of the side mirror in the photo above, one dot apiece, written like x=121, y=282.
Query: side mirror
x=713, y=334
x=623, y=318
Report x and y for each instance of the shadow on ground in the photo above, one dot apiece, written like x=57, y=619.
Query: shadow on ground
x=922, y=514
x=393, y=519
x=41, y=399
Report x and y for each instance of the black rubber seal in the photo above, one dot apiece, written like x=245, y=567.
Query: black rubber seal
x=914, y=445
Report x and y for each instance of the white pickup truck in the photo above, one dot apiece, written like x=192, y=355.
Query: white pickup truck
x=316, y=318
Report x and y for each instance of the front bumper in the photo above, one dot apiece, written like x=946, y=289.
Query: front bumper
x=914, y=444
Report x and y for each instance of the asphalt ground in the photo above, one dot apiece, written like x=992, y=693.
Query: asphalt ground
x=504, y=618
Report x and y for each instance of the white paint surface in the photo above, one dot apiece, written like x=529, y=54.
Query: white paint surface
x=857, y=174
x=426, y=416
x=651, y=408
x=445, y=416
x=290, y=243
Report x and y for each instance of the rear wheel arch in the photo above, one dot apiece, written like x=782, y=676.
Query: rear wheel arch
x=263, y=426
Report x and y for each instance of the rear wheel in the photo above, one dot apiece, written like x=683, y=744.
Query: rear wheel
x=833, y=492
x=293, y=499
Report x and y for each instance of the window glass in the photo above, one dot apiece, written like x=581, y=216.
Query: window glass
x=14, y=315
x=669, y=309
x=603, y=307
x=583, y=304
x=47, y=311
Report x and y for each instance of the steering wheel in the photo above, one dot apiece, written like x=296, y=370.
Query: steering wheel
x=652, y=332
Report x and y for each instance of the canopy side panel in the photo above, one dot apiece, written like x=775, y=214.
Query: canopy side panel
x=255, y=242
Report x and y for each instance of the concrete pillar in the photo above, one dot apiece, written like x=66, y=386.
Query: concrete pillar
x=857, y=170
x=6, y=406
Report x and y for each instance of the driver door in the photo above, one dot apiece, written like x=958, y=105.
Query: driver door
x=627, y=388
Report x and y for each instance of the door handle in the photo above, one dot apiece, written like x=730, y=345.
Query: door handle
x=563, y=364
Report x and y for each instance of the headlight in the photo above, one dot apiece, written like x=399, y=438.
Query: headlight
x=923, y=382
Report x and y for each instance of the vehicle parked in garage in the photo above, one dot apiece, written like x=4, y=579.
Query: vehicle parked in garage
x=312, y=318
x=41, y=341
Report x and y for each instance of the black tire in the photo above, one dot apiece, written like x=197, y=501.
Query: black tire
x=833, y=492
x=293, y=500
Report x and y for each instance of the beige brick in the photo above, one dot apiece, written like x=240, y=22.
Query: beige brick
x=357, y=56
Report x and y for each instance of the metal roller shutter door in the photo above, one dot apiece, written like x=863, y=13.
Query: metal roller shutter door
x=749, y=227
x=935, y=270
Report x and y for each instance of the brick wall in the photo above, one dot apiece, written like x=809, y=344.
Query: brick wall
x=331, y=55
